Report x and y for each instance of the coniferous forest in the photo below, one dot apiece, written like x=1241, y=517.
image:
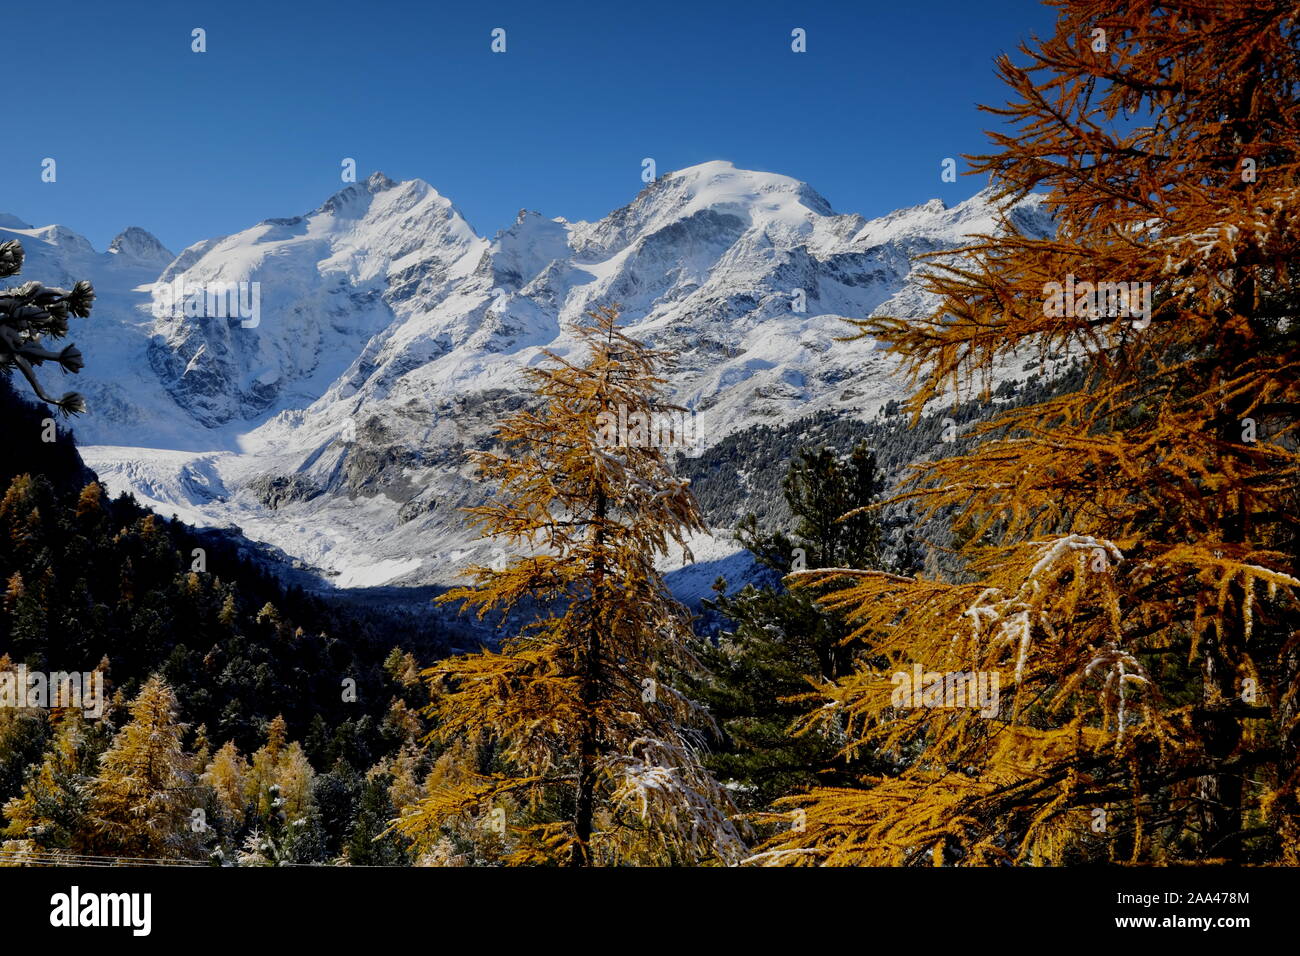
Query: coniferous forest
x=1036, y=608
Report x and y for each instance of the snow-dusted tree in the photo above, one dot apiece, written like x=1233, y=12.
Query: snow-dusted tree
x=51, y=810
x=597, y=753
x=1132, y=562
x=282, y=764
x=225, y=774
x=32, y=311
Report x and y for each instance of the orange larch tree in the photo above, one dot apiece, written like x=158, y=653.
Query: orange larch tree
x=1128, y=590
x=596, y=753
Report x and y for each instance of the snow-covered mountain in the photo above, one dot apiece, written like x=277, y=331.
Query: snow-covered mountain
x=391, y=336
x=329, y=282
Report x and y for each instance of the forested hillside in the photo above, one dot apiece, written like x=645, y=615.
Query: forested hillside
x=98, y=583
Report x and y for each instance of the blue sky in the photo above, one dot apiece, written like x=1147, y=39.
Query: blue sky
x=146, y=132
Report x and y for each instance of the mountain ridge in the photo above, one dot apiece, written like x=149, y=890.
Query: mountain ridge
x=392, y=335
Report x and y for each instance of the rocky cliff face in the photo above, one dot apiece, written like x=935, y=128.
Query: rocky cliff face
x=326, y=284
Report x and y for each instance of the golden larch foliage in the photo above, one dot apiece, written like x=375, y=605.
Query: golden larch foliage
x=1130, y=572
x=594, y=754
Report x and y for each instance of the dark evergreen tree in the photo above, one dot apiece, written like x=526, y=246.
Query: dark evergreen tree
x=370, y=843
x=778, y=643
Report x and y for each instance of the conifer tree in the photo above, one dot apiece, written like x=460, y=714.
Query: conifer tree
x=294, y=775
x=142, y=797
x=371, y=841
x=29, y=313
x=52, y=809
x=23, y=739
x=596, y=753
x=225, y=774
x=281, y=765
x=90, y=505
x=778, y=642
x=1130, y=570
x=336, y=795
x=405, y=788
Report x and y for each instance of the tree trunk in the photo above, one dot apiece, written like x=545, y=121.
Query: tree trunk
x=1219, y=794
x=584, y=808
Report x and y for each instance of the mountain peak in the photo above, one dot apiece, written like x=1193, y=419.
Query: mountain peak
x=353, y=200
x=936, y=222
x=720, y=182
x=139, y=245
x=64, y=238
x=711, y=167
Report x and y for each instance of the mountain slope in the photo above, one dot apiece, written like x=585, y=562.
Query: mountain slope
x=391, y=337
x=327, y=283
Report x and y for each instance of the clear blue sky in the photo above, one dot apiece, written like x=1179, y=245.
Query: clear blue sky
x=188, y=145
